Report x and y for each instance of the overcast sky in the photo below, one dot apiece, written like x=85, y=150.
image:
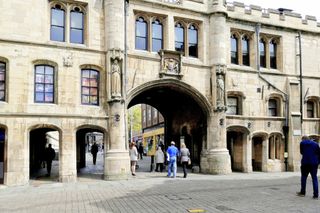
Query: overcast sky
x=304, y=7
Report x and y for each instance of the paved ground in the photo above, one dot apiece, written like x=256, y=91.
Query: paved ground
x=154, y=192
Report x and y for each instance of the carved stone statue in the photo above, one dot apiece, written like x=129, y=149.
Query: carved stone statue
x=115, y=79
x=171, y=66
x=220, y=91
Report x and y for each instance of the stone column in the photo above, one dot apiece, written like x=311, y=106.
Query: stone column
x=265, y=154
x=117, y=163
x=67, y=156
x=247, y=153
x=217, y=155
x=170, y=36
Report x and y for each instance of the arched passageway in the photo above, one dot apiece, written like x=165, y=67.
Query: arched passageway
x=2, y=154
x=41, y=155
x=185, y=117
x=90, y=145
x=257, y=153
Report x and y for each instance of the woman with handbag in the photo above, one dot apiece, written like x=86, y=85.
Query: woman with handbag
x=185, y=158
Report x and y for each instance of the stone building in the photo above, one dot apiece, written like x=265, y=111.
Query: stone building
x=240, y=82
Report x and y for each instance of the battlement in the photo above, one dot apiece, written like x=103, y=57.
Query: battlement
x=277, y=17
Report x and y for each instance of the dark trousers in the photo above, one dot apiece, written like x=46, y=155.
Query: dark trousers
x=94, y=156
x=140, y=155
x=184, y=166
x=305, y=170
x=49, y=164
x=159, y=165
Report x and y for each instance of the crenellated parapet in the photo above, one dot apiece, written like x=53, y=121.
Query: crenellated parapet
x=275, y=17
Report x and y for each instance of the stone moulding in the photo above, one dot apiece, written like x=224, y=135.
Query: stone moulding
x=170, y=64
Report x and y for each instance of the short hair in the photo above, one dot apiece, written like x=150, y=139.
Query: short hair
x=305, y=137
x=173, y=143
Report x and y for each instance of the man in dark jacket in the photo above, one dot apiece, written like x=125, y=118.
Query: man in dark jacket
x=310, y=152
x=94, y=151
x=49, y=156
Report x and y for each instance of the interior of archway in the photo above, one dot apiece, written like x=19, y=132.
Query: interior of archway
x=38, y=163
x=86, y=167
x=184, y=119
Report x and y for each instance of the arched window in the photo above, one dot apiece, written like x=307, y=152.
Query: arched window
x=273, y=54
x=275, y=148
x=273, y=107
x=89, y=87
x=157, y=34
x=57, y=23
x=262, y=48
x=234, y=49
x=76, y=26
x=310, y=109
x=179, y=38
x=44, y=84
x=245, y=51
x=141, y=34
x=193, y=41
x=2, y=81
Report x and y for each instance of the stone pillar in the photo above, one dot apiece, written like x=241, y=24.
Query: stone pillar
x=117, y=162
x=170, y=40
x=67, y=156
x=247, y=153
x=265, y=154
x=217, y=155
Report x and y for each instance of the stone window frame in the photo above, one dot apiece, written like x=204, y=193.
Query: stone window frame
x=99, y=71
x=275, y=146
x=6, y=78
x=268, y=39
x=279, y=99
x=68, y=7
x=186, y=24
x=239, y=35
x=240, y=101
x=315, y=101
x=150, y=18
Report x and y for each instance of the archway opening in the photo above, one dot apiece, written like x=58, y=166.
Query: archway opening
x=257, y=153
x=184, y=119
x=236, y=148
x=2, y=154
x=44, y=154
x=90, y=153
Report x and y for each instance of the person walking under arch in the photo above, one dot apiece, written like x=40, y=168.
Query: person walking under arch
x=185, y=155
x=172, y=154
x=310, y=152
x=159, y=157
x=133, y=153
x=49, y=155
x=94, y=151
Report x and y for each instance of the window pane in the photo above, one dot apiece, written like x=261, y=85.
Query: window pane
x=193, y=50
x=86, y=73
x=273, y=55
x=193, y=36
x=157, y=31
x=234, y=50
x=49, y=70
x=57, y=17
x=57, y=33
x=1, y=95
x=94, y=100
x=76, y=36
x=141, y=43
x=93, y=82
x=93, y=91
x=85, y=82
x=85, y=99
x=48, y=97
x=156, y=45
x=2, y=67
x=39, y=78
x=179, y=34
x=39, y=87
x=141, y=29
x=39, y=97
x=49, y=79
x=2, y=76
x=94, y=74
x=234, y=44
x=179, y=46
x=85, y=90
x=49, y=88
x=76, y=20
x=245, y=52
x=40, y=69
x=2, y=86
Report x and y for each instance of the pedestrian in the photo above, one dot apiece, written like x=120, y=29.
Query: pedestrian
x=140, y=150
x=49, y=155
x=133, y=153
x=310, y=152
x=159, y=159
x=185, y=157
x=172, y=154
x=94, y=151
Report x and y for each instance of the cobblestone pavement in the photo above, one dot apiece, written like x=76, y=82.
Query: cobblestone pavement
x=154, y=192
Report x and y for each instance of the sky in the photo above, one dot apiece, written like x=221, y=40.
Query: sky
x=304, y=7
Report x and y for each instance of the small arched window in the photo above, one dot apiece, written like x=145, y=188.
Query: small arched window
x=141, y=34
x=193, y=41
x=262, y=49
x=273, y=54
x=273, y=107
x=76, y=26
x=157, y=36
x=89, y=87
x=57, y=23
x=234, y=49
x=179, y=37
x=2, y=81
x=245, y=51
x=44, y=84
x=310, y=109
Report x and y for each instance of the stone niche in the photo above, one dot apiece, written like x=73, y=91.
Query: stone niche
x=170, y=64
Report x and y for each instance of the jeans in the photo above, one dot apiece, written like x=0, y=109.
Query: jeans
x=305, y=170
x=172, y=166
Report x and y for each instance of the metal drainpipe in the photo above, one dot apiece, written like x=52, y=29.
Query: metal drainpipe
x=300, y=67
x=285, y=128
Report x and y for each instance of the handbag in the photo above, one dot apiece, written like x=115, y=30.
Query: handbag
x=189, y=161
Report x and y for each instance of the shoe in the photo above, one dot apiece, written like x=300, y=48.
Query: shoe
x=300, y=194
x=315, y=197
x=133, y=174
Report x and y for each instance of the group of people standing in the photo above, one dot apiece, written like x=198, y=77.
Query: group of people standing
x=172, y=156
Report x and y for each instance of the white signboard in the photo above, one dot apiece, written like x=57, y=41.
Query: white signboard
x=297, y=132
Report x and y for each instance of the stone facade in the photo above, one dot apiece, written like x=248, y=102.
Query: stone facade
x=247, y=140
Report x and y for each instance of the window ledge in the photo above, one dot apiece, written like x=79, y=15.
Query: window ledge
x=64, y=44
x=240, y=67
